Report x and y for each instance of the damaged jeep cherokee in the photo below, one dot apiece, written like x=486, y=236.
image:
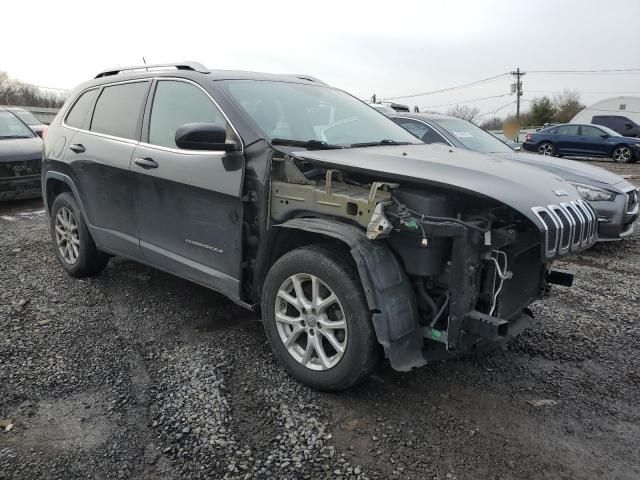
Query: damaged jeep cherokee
x=301, y=202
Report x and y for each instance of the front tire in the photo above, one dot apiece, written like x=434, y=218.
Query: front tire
x=74, y=247
x=622, y=154
x=317, y=321
x=546, y=148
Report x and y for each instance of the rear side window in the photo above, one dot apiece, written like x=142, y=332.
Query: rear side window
x=176, y=103
x=421, y=130
x=118, y=110
x=567, y=130
x=79, y=111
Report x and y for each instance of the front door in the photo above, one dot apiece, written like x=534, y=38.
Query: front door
x=592, y=141
x=188, y=201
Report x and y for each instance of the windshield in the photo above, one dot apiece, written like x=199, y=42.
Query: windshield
x=27, y=117
x=472, y=136
x=11, y=127
x=612, y=133
x=303, y=113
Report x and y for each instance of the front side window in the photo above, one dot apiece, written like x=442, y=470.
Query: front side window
x=591, y=131
x=11, y=127
x=567, y=130
x=79, y=111
x=300, y=112
x=175, y=104
x=118, y=110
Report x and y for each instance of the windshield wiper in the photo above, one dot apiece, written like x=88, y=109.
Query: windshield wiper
x=386, y=141
x=13, y=137
x=308, y=144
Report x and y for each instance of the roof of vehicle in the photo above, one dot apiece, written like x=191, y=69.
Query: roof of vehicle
x=135, y=71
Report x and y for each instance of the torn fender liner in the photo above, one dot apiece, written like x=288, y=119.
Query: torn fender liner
x=386, y=286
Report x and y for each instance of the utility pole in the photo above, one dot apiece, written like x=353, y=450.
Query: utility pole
x=518, y=89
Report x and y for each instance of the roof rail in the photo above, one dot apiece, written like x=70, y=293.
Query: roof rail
x=308, y=78
x=193, y=66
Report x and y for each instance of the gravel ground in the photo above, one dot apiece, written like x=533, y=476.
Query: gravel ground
x=138, y=374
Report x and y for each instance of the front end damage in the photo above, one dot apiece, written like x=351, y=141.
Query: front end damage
x=445, y=272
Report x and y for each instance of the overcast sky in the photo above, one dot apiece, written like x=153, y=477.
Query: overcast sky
x=388, y=48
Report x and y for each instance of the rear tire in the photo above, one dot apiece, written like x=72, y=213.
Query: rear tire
x=622, y=154
x=547, y=149
x=74, y=247
x=328, y=346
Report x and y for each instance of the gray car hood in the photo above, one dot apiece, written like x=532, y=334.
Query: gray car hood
x=20, y=149
x=570, y=170
x=509, y=182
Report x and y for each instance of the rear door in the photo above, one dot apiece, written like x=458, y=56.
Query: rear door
x=592, y=142
x=567, y=140
x=188, y=201
x=100, y=157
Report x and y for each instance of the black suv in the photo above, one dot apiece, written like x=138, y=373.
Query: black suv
x=295, y=199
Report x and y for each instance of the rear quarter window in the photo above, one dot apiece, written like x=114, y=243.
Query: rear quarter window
x=118, y=110
x=80, y=109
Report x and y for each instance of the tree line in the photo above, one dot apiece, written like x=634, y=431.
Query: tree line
x=559, y=109
x=14, y=92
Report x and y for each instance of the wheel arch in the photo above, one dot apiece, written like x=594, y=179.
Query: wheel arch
x=55, y=183
x=387, y=289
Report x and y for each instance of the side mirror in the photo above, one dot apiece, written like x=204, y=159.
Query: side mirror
x=605, y=135
x=628, y=126
x=202, y=136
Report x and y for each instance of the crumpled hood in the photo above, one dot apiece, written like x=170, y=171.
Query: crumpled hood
x=570, y=170
x=20, y=149
x=512, y=183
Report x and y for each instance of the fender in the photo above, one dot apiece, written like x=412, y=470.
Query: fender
x=50, y=174
x=386, y=286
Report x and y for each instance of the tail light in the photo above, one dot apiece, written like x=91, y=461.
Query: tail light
x=43, y=133
x=528, y=137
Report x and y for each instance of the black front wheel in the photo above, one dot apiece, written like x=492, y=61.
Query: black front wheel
x=622, y=154
x=317, y=320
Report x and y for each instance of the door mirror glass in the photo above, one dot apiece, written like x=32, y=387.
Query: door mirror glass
x=202, y=136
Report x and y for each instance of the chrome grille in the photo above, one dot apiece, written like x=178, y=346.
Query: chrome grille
x=568, y=226
x=632, y=201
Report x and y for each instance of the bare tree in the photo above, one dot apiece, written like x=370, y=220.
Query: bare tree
x=463, y=111
x=494, y=123
x=13, y=92
x=567, y=105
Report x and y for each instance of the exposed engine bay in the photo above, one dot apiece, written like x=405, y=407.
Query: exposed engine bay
x=474, y=264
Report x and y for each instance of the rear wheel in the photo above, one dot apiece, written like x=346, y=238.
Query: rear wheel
x=317, y=320
x=622, y=154
x=546, y=148
x=74, y=247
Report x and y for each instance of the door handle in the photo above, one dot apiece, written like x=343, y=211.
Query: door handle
x=78, y=148
x=146, y=162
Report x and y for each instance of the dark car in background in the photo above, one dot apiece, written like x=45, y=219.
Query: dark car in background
x=30, y=119
x=20, y=158
x=613, y=198
x=622, y=125
x=583, y=140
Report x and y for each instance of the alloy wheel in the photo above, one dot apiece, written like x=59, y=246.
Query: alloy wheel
x=545, y=149
x=622, y=154
x=311, y=322
x=67, y=235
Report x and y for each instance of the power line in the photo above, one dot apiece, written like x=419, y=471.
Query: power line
x=465, y=101
x=496, y=110
x=583, y=93
x=464, y=85
x=16, y=82
x=589, y=72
